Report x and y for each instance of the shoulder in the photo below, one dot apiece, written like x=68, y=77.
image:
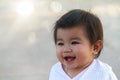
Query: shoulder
x=103, y=66
x=56, y=66
x=105, y=70
x=55, y=71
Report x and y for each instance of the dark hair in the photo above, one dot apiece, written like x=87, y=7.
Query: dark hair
x=90, y=22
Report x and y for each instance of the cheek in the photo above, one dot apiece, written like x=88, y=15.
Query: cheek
x=58, y=51
x=59, y=54
x=76, y=49
x=80, y=52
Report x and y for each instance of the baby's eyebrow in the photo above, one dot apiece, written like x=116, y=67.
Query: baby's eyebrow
x=76, y=38
x=59, y=40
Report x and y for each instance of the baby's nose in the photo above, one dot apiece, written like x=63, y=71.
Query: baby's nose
x=67, y=49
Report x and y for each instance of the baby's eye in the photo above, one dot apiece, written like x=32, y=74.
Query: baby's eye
x=75, y=42
x=60, y=44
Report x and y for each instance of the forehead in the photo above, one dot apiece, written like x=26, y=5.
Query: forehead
x=76, y=31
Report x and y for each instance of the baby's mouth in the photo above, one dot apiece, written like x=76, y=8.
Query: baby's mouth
x=69, y=58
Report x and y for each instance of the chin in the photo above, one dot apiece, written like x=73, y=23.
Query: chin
x=70, y=67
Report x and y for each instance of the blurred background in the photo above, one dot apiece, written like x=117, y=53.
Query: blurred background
x=27, y=50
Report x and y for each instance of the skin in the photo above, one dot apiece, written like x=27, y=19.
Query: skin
x=73, y=42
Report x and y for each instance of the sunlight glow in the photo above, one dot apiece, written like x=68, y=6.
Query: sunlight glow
x=24, y=8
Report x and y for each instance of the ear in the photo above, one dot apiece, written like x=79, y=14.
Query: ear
x=97, y=46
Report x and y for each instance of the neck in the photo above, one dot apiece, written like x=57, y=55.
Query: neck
x=74, y=72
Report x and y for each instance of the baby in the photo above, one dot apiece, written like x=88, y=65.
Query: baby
x=78, y=36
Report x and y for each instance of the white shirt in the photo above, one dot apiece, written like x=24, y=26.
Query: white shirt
x=96, y=71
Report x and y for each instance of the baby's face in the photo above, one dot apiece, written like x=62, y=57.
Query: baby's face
x=73, y=48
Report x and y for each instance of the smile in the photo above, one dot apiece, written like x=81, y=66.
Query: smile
x=69, y=58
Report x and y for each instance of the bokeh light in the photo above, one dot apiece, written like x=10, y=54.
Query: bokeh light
x=56, y=6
